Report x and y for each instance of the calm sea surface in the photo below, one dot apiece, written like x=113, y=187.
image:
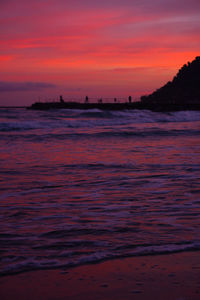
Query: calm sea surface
x=81, y=186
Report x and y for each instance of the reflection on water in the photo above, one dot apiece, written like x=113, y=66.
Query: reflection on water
x=78, y=188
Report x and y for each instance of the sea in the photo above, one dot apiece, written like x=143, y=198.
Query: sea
x=82, y=186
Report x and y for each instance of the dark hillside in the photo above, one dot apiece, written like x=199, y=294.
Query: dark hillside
x=183, y=89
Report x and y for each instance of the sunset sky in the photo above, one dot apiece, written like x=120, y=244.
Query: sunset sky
x=107, y=48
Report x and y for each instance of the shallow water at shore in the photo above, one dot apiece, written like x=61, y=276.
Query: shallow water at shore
x=173, y=276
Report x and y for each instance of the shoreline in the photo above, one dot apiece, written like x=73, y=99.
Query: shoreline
x=160, y=277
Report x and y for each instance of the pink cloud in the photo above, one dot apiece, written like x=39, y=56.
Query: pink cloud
x=91, y=43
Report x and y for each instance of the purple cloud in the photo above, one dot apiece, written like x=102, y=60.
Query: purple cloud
x=24, y=86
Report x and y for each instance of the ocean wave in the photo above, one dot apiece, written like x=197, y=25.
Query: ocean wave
x=93, y=118
x=134, y=133
x=69, y=258
x=139, y=116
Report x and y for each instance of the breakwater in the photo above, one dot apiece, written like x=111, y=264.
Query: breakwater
x=160, y=107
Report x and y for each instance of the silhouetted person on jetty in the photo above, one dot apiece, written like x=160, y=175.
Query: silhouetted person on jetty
x=86, y=99
x=100, y=100
x=129, y=99
x=115, y=100
x=61, y=99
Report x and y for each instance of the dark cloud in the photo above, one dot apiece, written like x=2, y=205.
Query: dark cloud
x=24, y=86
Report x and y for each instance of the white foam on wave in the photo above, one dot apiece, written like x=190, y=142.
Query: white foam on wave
x=67, y=261
x=97, y=118
x=146, y=116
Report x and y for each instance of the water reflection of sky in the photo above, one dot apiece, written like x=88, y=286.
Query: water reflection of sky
x=64, y=200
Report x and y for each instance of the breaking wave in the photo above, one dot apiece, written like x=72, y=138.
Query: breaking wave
x=91, y=119
x=68, y=258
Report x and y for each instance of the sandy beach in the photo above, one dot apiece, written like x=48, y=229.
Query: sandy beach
x=172, y=276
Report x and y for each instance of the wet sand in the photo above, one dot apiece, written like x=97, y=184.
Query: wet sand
x=163, y=277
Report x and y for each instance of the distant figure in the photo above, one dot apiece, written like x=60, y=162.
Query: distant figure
x=115, y=100
x=129, y=99
x=86, y=99
x=100, y=100
x=61, y=99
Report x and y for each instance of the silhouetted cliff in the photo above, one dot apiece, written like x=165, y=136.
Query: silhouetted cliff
x=184, y=89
